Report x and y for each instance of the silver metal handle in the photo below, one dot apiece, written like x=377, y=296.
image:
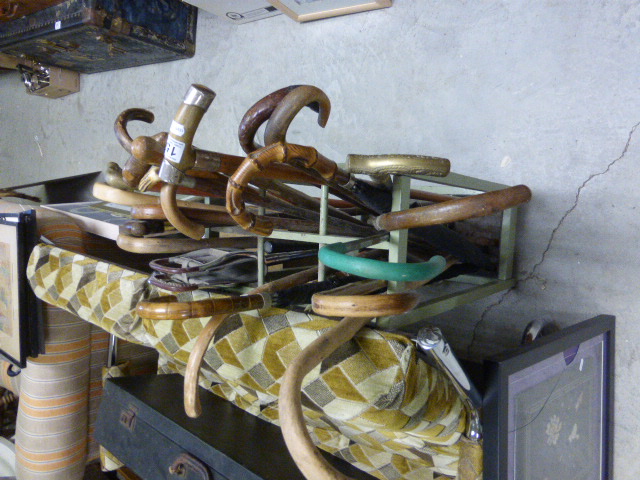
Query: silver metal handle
x=431, y=341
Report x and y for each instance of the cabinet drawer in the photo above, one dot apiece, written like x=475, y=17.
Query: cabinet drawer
x=142, y=422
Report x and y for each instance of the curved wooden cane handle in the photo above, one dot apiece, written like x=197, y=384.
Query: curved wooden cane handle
x=454, y=210
x=178, y=150
x=191, y=399
x=170, y=208
x=307, y=457
x=250, y=168
x=192, y=405
x=290, y=106
x=304, y=453
x=257, y=115
x=179, y=156
x=398, y=164
x=209, y=216
x=120, y=125
x=364, y=305
x=110, y=194
x=160, y=309
x=180, y=245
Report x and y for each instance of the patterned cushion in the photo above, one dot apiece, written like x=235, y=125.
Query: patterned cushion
x=371, y=402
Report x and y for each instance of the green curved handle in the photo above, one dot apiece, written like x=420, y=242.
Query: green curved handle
x=334, y=256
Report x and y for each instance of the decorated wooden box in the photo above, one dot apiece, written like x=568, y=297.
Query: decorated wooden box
x=90, y=36
x=12, y=9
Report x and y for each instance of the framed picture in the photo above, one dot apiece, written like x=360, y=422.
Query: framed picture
x=307, y=10
x=20, y=312
x=548, y=407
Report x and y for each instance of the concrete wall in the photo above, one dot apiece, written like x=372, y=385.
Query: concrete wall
x=542, y=93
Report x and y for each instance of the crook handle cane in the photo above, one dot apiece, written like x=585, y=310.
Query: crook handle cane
x=454, y=210
x=179, y=156
x=191, y=399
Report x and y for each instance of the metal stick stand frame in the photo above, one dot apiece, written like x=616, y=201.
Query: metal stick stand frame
x=478, y=286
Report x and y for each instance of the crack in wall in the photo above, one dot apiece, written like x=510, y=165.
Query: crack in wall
x=533, y=273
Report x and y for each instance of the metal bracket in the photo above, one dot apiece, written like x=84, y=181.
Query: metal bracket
x=36, y=77
x=46, y=81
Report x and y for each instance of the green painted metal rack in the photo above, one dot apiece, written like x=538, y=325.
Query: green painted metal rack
x=466, y=288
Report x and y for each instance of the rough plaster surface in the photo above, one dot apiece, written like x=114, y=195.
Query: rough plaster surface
x=543, y=93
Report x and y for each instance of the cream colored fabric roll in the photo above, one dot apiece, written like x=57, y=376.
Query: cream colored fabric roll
x=51, y=428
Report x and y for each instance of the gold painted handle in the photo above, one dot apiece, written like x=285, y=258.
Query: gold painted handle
x=398, y=164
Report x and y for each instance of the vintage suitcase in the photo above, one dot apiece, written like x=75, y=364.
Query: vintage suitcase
x=91, y=36
x=141, y=421
x=12, y=9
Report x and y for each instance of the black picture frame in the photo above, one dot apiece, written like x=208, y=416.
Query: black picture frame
x=21, y=332
x=572, y=369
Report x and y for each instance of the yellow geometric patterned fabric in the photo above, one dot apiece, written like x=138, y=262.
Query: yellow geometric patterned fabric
x=372, y=402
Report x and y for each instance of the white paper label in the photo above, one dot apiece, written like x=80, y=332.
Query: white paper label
x=177, y=128
x=58, y=25
x=174, y=150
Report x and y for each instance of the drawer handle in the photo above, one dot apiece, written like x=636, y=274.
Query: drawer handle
x=128, y=419
x=186, y=462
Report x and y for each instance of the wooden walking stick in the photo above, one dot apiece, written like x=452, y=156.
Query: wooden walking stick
x=150, y=151
x=191, y=399
x=168, y=308
x=180, y=245
x=473, y=206
x=309, y=460
x=346, y=186
x=302, y=449
x=179, y=156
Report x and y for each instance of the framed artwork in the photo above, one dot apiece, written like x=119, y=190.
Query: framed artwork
x=20, y=312
x=307, y=10
x=548, y=408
